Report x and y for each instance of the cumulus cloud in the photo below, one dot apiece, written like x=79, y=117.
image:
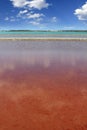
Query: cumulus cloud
x=30, y=15
x=28, y=10
x=81, y=13
x=19, y=3
x=34, y=16
x=23, y=12
x=37, y=4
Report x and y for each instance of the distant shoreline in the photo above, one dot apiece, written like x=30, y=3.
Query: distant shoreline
x=43, y=30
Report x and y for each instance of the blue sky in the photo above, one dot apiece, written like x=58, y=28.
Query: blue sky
x=43, y=14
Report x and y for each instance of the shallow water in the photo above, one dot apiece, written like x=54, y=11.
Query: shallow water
x=43, y=85
x=42, y=34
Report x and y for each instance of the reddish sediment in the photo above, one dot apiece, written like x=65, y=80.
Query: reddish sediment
x=39, y=98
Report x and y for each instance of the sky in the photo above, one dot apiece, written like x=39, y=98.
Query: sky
x=43, y=14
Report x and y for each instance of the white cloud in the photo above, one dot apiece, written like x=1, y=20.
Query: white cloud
x=39, y=19
x=27, y=10
x=54, y=19
x=37, y=4
x=34, y=23
x=30, y=15
x=34, y=16
x=81, y=13
x=19, y=3
x=11, y=19
x=23, y=12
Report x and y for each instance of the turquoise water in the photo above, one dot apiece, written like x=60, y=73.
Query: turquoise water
x=42, y=34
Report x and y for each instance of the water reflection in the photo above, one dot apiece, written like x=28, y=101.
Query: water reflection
x=46, y=59
x=43, y=86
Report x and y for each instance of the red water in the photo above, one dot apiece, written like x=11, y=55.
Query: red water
x=43, y=92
